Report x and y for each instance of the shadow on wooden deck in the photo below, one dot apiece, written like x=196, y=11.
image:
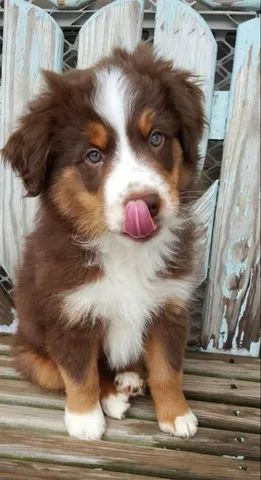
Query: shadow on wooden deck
x=223, y=391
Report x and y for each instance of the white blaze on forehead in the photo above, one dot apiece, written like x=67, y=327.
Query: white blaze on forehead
x=114, y=101
x=114, y=98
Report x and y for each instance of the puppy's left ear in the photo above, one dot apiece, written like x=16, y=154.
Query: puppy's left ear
x=187, y=99
x=28, y=147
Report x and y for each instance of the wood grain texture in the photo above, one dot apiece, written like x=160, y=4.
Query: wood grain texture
x=116, y=25
x=36, y=42
x=204, y=210
x=245, y=5
x=5, y=344
x=27, y=470
x=142, y=432
x=184, y=37
x=123, y=458
x=218, y=115
x=232, y=310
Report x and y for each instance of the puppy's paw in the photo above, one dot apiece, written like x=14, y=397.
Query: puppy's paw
x=129, y=383
x=116, y=405
x=86, y=426
x=184, y=426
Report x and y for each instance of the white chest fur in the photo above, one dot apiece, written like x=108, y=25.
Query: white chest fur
x=125, y=297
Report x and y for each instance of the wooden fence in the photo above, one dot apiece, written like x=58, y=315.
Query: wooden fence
x=230, y=239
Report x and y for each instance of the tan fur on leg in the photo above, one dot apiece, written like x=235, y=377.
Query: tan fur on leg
x=173, y=413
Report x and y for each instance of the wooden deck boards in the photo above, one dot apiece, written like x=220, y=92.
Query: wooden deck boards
x=222, y=390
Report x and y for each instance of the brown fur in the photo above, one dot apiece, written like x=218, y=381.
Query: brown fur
x=48, y=151
x=82, y=396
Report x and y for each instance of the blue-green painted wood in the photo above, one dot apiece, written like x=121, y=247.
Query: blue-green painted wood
x=32, y=41
x=232, y=320
x=118, y=24
x=245, y=5
x=184, y=37
x=218, y=115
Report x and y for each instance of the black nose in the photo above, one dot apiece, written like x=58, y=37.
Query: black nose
x=152, y=201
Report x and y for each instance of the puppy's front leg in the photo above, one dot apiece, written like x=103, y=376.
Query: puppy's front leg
x=83, y=414
x=164, y=353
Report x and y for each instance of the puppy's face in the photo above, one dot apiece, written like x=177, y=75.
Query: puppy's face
x=112, y=148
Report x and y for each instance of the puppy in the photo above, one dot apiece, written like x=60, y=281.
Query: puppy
x=109, y=270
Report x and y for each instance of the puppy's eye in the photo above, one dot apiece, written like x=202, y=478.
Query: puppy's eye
x=94, y=156
x=156, y=139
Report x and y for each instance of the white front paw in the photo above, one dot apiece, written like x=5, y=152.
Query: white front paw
x=184, y=426
x=116, y=405
x=130, y=383
x=86, y=426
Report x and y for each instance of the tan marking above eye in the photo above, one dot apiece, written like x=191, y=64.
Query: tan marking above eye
x=97, y=134
x=145, y=121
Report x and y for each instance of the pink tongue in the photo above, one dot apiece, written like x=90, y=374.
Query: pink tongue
x=138, y=221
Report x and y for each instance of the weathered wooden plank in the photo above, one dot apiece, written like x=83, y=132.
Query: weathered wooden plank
x=141, y=432
x=36, y=42
x=222, y=390
x=116, y=25
x=184, y=37
x=5, y=343
x=223, y=366
x=204, y=210
x=232, y=318
x=245, y=5
x=123, y=458
x=210, y=415
x=218, y=115
x=26, y=470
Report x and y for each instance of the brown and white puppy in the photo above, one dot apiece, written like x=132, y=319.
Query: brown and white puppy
x=110, y=268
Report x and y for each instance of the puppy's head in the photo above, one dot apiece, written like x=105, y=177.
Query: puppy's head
x=114, y=147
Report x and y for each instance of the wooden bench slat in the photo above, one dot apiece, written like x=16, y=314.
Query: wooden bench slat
x=5, y=342
x=214, y=415
x=117, y=25
x=221, y=368
x=222, y=390
x=123, y=458
x=132, y=431
x=232, y=300
x=12, y=469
